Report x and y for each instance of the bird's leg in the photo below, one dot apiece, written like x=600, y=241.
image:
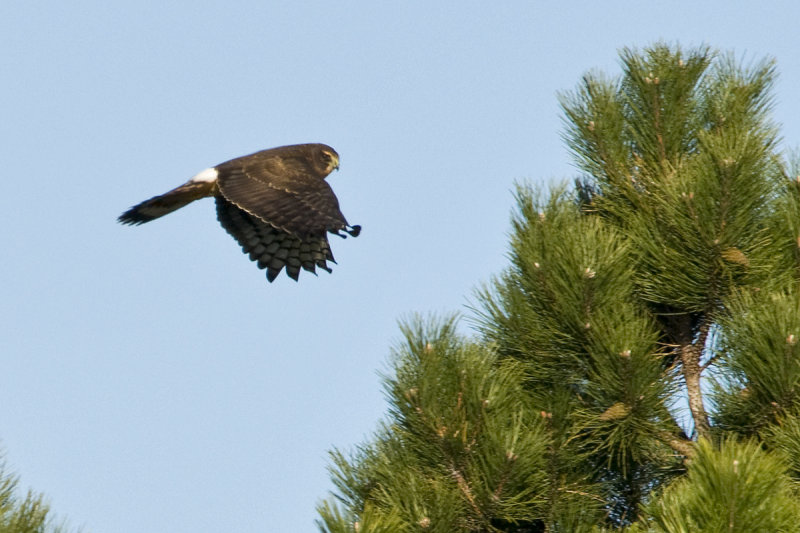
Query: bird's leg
x=352, y=230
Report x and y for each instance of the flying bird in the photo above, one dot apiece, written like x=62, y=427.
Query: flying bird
x=275, y=203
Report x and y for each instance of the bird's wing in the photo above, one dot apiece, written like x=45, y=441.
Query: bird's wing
x=273, y=248
x=282, y=192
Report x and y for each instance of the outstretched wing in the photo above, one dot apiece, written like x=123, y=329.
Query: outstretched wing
x=283, y=190
x=273, y=248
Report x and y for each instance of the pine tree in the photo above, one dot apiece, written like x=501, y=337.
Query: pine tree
x=22, y=515
x=670, y=271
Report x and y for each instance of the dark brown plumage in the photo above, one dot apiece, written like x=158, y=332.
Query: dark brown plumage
x=275, y=203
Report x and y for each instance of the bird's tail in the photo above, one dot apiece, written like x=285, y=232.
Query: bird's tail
x=158, y=206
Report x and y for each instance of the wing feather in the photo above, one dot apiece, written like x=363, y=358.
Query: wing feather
x=282, y=187
x=272, y=248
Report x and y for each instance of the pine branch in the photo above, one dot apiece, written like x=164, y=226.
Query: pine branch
x=683, y=447
x=463, y=486
x=690, y=353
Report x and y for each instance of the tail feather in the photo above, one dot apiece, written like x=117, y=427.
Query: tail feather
x=158, y=206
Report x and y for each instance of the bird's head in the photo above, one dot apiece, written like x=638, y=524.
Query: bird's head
x=327, y=159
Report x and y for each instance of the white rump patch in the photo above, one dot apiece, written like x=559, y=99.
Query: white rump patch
x=208, y=175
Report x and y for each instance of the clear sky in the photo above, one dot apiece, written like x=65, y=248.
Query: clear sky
x=152, y=380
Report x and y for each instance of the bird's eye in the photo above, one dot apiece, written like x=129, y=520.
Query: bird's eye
x=327, y=156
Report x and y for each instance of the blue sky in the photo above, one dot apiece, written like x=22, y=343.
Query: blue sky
x=152, y=379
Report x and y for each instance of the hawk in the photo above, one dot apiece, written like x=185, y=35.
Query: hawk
x=275, y=203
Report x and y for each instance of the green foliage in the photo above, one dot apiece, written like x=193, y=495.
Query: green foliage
x=461, y=450
x=784, y=438
x=683, y=157
x=22, y=515
x=785, y=224
x=370, y=520
x=760, y=363
x=566, y=310
x=676, y=258
x=737, y=487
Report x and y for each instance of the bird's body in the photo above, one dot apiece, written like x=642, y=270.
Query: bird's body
x=275, y=203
